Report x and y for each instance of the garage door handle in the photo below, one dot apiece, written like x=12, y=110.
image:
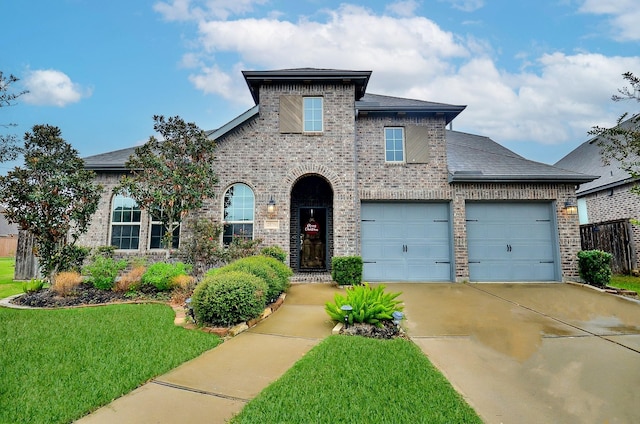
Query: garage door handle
x=547, y=262
x=509, y=248
x=369, y=262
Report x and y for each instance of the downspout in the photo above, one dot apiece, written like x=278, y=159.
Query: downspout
x=356, y=196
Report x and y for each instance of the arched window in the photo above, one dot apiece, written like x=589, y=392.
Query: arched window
x=125, y=223
x=238, y=213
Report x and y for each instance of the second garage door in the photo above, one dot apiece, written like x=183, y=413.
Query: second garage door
x=406, y=242
x=511, y=242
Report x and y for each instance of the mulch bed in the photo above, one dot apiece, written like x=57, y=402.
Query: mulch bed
x=388, y=330
x=84, y=294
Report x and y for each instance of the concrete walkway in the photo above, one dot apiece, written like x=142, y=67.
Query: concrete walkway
x=518, y=353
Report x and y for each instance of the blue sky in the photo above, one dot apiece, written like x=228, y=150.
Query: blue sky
x=535, y=75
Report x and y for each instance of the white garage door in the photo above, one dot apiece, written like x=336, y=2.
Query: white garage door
x=406, y=242
x=511, y=242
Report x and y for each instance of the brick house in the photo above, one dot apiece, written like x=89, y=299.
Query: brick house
x=322, y=168
x=607, y=198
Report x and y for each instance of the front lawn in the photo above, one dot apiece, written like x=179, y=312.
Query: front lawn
x=352, y=379
x=7, y=286
x=627, y=282
x=58, y=365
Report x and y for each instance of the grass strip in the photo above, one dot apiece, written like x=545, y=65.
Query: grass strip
x=58, y=365
x=627, y=282
x=351, y=379
x=7, y=286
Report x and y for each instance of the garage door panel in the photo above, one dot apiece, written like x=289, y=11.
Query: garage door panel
x=511, y=242
x=415, y=239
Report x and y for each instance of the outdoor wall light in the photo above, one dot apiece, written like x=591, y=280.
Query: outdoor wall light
x=271, y=208
x=346, y=309
x=570, y=208
x=397, y=317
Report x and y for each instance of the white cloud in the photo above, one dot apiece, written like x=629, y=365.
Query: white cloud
x=624, y=16
x=404, y=8
x=184, y=10
x=554, y=99
x=466, y=5
x=50, y=87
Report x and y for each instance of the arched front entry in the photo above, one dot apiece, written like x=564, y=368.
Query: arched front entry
x=311, y=224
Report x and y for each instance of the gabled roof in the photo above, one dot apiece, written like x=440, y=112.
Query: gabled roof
x=115, y=161
x=586, y=158
x=474, y=158
x=378, y=104
x=255, y=79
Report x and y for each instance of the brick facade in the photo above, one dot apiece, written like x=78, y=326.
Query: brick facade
x=348, y=155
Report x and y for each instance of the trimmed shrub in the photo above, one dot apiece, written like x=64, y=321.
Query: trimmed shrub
x=370, y=305
x=228, y=298
x=346, y=270
x=276, y=252
x=161, y=275
x=102, y=271
x=65, y=282
x=272, y=271
x=595, y=267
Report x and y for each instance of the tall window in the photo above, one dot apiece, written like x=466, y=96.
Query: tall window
x=238, y=213
x=394, y=144
x=125, y=223
x=312, y=114
x=158, y=231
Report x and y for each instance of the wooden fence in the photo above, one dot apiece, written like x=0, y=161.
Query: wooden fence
x=8, y=246
x=614, y=237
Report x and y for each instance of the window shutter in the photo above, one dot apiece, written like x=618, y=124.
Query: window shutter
x=417, y=144
x=290, y=114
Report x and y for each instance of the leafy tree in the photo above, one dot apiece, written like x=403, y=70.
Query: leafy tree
x=622, y=142
x=8, y=150
x=172, y=176
x=52, y=196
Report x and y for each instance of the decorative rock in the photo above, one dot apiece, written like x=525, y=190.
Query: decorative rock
x=338, y=328
x=237, y=329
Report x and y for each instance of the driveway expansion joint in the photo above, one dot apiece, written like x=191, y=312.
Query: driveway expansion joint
x=199, y=391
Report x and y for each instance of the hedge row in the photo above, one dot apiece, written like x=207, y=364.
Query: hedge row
x=239, y=291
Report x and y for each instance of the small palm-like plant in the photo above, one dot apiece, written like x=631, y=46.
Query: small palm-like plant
x=369, y=305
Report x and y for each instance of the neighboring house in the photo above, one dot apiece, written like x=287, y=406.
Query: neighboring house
x=6, y=229
x=8, y=236
x=609, y=197
x=354, y=173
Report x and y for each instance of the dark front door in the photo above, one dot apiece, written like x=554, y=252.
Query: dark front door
x=313, y=239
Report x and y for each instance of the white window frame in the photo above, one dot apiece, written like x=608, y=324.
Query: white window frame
x=312, y=120
x=152, y=223
x=115, y=202
x=403, y=149
x=228, y=239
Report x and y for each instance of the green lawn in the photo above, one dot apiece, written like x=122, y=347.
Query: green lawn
x=58, y=365
x=7, y=286
x=626, y=282
x=351, y=379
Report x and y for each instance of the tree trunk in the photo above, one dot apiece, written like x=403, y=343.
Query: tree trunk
x=27, y=265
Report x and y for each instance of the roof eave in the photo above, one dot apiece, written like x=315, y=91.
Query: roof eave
x=449, y=113
x=457, y=177
x=606, y=186
x=255, y=79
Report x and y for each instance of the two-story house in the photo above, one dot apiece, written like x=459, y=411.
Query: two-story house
x=322, y=168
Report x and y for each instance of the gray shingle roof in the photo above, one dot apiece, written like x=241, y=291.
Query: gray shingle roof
x=474, y=158
x=376, y=103
x=586, y=159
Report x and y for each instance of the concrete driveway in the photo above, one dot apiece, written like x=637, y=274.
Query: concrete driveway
x=531, y=353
